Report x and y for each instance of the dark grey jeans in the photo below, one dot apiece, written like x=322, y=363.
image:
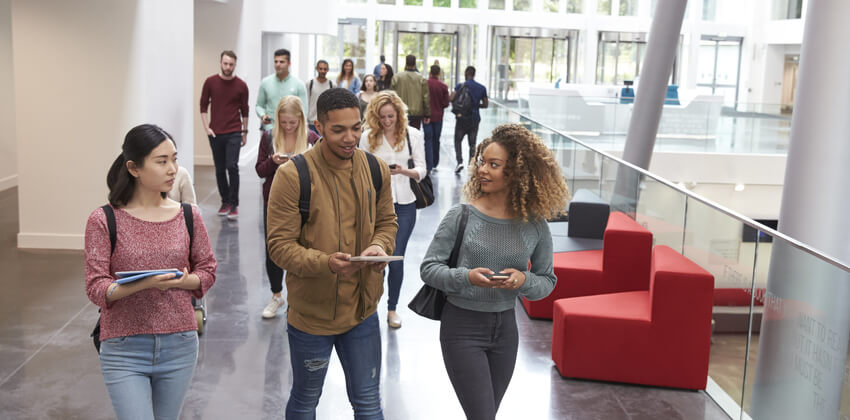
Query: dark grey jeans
x=479, y=350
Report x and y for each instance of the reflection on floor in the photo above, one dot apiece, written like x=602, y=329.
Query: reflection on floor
x=49, y=369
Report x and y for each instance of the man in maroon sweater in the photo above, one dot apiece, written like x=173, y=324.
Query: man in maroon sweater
x=439, y=98
x=226, y=97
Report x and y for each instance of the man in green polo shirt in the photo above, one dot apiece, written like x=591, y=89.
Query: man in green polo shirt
x=276, y=86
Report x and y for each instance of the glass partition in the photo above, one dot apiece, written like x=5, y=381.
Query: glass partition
x=661, y=209
x=780, y=319
x=700, y=123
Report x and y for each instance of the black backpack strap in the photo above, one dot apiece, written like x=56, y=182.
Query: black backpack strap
x=110, y=225
x=304, y=183
x=310, y=88
x=190, y=224
x=461, y=227
x=375, y=169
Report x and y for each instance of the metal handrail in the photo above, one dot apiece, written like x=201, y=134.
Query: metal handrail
x=740, y=217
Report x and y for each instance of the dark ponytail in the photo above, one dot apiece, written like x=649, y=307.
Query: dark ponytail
x=138, y=144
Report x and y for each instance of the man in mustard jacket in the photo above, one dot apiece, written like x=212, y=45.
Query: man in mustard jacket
x=332, y=300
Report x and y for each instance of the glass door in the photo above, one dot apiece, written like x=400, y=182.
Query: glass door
x=719, y=66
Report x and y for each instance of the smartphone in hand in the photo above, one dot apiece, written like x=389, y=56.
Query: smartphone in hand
x=498, y=276
x=393, y=166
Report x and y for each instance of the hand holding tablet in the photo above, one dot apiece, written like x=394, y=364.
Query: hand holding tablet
x=377, y=258
x=131, y=276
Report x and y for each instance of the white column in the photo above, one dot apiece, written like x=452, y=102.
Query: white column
x=803, y=342
x=8, y=142
x=135, y=66
x=661, y=50
x=371, y=55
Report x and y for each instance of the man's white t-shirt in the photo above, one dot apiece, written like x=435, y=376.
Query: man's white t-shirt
x=313, y=93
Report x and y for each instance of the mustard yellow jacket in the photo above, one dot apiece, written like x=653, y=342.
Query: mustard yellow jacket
x=315, y=304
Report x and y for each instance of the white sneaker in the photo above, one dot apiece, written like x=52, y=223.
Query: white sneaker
x=393, y=320
x=271, y=309
x=458, y=168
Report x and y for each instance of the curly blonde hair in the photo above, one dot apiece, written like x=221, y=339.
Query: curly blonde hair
x=373, y=119
x=536, y=186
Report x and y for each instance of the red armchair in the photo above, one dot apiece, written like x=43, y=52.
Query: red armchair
x=621, y=265
x=659, y=336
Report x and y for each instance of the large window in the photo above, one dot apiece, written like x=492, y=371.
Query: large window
x=719, y=66
x=530, y=55
x=619, y=56
x=788, y=9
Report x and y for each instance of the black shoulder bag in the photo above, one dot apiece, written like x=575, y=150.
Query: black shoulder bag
x=429, y=301
x=422, y=189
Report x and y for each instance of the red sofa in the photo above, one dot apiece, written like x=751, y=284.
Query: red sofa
x=621, y=265
x=659, y=336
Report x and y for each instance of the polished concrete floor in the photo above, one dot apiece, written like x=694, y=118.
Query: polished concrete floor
x=49, y=370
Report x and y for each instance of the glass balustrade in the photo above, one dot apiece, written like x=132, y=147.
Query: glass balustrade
x=780, y=320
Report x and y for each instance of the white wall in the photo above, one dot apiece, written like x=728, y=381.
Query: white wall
x=238, y=25
x=91, y=70
x=8, y=145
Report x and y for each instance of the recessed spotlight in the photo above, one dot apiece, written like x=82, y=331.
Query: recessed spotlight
x=739, y=187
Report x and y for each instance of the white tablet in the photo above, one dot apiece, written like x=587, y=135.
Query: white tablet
x=377, y=258
x=137, y=272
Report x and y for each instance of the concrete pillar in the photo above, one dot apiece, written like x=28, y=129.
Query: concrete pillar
x=126, y=63
x=661, y=50
x=803, y=343
x=662, y=45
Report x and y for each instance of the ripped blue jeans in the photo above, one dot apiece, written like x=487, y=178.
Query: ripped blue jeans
x=359, y=351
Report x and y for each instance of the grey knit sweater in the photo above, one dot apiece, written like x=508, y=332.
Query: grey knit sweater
x=495, y=244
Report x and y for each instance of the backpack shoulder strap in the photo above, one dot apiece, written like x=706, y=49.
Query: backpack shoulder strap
x=464, y=215
x=110, y=225
x=190, y=223
x=310, y=88
x=375, y=169
x=332, y=83
x=304, y=187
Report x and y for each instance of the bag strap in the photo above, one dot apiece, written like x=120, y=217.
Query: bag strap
x=375, y=169
x=304, y=182
x=113, y=231
x=304, y=186
x=110, y=225
x=190, y=224
x=459, y=238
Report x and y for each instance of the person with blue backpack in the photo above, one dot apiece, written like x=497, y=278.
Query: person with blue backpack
x=147, y=328
x=466, y=100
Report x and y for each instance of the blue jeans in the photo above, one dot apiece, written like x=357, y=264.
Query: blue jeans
x=359, y=351
x=406, y=214
x=147, y=375
x=432, y=144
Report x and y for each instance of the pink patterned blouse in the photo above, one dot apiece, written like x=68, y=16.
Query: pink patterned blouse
x=143, y=245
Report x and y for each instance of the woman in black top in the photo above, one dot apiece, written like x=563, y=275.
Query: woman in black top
x=386, y=77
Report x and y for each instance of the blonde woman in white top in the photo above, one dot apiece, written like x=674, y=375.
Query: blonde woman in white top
x=387, y=137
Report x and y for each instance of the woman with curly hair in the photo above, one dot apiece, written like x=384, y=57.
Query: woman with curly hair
x=515, y=185
x=390, y=138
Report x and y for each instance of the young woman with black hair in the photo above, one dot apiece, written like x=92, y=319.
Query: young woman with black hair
x=348, y=78
x=385, y=77
x=149, y=343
